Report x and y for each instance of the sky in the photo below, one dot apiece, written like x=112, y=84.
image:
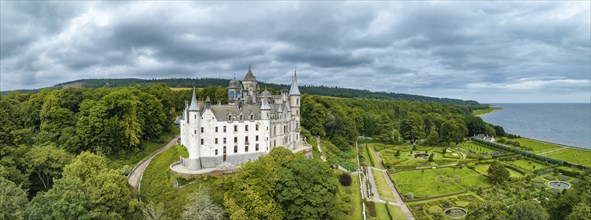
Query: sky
x=491, y=52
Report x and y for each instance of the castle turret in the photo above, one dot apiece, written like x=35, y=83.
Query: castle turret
x=294, y=101
x=194, y=162
x=249, y=86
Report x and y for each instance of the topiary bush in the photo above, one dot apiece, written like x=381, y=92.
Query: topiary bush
x=345, y=179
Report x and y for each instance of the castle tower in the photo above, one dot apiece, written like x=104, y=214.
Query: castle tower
x=194, y=116
x=294, y=102
x=233, y=91
x=249, y=86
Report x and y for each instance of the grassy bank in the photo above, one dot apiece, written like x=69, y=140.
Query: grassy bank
x=485, y=111
x=557, y=151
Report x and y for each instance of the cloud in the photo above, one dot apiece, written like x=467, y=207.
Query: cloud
x=486, y=51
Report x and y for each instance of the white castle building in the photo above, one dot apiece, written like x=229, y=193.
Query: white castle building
x=249, y=126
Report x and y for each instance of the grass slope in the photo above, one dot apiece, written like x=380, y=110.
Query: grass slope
x=382, y=185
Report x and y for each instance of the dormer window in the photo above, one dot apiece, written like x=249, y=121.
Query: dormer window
x=229, y=117
x=251, y=116
x=240, y=117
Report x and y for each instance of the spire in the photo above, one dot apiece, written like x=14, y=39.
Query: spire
x=294, y=90
x=249, y=76
x=194, y=104
x=265, y=103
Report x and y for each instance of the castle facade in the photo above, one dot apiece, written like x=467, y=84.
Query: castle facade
x=250, y=125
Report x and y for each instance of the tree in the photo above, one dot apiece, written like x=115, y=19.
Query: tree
x=528, y=210
x=345, y=179
x=499, y=130
x=444, y=150
x=202, y=208
x=453, y=131
x=46, y=164
x=487, y=210
x=13, y=200
x=87, y=189
x=431, y=157
x=580, y=211
x=497, y=173
x=475, y=125
x=251, y=191
x=152, y=211
x=397, y=154
x=567, y=204
x=433, y=137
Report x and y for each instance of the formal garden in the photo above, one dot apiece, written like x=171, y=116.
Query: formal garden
x=443, y=182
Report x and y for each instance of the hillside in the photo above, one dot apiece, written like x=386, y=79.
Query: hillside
x=314, y=90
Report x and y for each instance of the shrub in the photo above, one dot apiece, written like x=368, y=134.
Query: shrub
x=410, y=195
x=371, y=208
x=550, y=177
x=563, y=178
x=345, y=179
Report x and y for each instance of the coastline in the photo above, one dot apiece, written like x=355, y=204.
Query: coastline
x=492, y=109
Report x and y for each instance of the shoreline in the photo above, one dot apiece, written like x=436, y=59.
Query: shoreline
x=494, y=109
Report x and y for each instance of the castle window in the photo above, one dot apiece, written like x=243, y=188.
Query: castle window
x=216, y=152
x=257, y=147
x=195, y=131
x=224, y=129
x=224, y=140
x=256, y=138
x=256, y=127
x=195, y=116
x=235, y=149
x=297, y=101
x=240, y=117
x=235, y=139
x=246, y=139
x=216, y=140
x=274, y=143
x=285, y=129
x=274, y=130
x=201, y=140
x=201, y=129
x=245, y=148
x=246, y=127
x=229, y=118
x=216, y=129
x=235, y=128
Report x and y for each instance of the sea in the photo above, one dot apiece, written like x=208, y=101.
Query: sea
x=561, y=123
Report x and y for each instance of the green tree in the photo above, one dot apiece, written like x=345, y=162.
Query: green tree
x=46, y=164
x=487, y=210
x=431, y=157
x=580, y=211
x=202, y=208
x=563, y=206
x=453, y=131
x=87, y=189
x=13, y=200
x=528, y=210
x=433, y=137
x=497, y=173
x=252, y=190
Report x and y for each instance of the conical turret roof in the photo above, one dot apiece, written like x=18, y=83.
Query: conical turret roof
x=249, y=76
x=194, y=104
x=294, y=90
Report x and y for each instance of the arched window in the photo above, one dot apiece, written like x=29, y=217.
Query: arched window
x=251, y=116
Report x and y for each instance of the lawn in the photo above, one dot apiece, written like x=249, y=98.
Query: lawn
x=573, y=155
x=529, y=165
x=372, y=156
x=157, y=182
x=537, y=146
x=406, y=158
x=485, y=111
x=382, y=184
x=433, y=182
x=395, y=212
x=474, y=147
x=354, y=200
x=483, y=169
x=381, y=211
x=148, y=147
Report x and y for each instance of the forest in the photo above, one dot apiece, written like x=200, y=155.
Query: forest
x=65, y=153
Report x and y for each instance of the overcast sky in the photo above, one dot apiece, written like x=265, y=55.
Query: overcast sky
x=486, y=51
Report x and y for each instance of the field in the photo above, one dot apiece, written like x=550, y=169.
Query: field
x=382, y=185
x=433, y=182
x=485, y=111
x=483, y=169
x=538, y=146
x=572, y=155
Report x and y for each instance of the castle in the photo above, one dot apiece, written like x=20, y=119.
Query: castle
x=250, y=125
